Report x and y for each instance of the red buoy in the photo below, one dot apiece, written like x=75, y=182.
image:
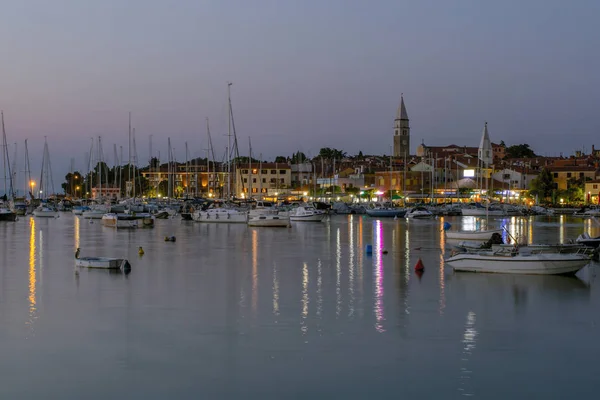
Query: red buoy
x=419, y=265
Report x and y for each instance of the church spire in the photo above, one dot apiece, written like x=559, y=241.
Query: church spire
x=402, y=114
x=485, y=147
x=401, y=131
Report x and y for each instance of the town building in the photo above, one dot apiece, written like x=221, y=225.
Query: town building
x=262, y=179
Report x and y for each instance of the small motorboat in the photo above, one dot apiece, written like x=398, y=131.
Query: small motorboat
x=519, y=261
x=419, y=213
x=113, y=220
x=481, y=234
x=306, y=213
x=44, y=211
x=101, y=262
x=587, y=240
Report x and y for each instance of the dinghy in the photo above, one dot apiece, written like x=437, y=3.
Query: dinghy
x=101, y=262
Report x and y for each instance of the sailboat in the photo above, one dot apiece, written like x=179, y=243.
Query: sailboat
x=6, y=212
x=46, y=210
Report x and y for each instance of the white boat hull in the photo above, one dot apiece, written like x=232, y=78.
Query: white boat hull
x=472, y=235
x=45, y=214
x=532, y=264
x=307, y=218
x=116, y=221
x=269, y=220
x=102, y=263
x=93, y=214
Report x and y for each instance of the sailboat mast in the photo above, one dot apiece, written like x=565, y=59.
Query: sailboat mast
x=187, y=173
x=29, y=182
x=4, y=152
x=129, y=150
x=170, y=170
x=134, y=155
x=249, y=168
x=229, y=140
x=391, y=195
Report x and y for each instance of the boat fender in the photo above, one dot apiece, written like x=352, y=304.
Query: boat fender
x=141, y=251
x=217, y=216
x=369, y=249
x=384, y=251
x=228, y=216
x=419, y=265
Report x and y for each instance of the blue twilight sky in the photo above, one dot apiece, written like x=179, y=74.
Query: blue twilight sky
x=306, y=74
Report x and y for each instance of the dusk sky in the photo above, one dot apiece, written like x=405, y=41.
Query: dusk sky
x=306, y=74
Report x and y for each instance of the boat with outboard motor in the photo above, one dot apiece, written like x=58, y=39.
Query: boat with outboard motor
x=101, y=262
x=520, y=260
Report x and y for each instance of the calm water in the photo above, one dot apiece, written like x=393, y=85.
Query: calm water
x=238, y=312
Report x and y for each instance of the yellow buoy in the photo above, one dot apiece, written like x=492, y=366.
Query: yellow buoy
x=141, y=251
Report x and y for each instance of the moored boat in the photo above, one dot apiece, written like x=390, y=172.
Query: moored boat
x=586, y=240
x=101, y=262
x=307, y=214
x=516, y=261
x=7, y=215
x=419, y=213
x=482, y=234
x=114, y=220
x=45, y=211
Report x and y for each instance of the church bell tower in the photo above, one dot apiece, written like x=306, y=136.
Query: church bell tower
x=401, y=132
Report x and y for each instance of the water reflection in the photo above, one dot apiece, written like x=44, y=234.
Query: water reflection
x=254, y=295
x=76, y=234
x=319, y=289
x=378, y=307
x=304, y=301
x=32, y=275
x=442, y=275
x=338, y=273
x=469, y=337
x=351, y=266
x=275, y=291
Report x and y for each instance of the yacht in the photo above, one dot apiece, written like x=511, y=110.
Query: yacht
x=306, y=213
x=419, y=213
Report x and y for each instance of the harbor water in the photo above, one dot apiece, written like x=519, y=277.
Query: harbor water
x=229, y=312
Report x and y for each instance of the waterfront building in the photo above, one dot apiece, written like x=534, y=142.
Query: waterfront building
x=260, y=179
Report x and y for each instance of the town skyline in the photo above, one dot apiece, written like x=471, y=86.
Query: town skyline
x=306, y=75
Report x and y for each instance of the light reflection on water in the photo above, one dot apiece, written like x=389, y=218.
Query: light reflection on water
x=32, y=276
x=193, y=314
x=378, y=276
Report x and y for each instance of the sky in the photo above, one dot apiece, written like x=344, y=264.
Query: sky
x=306, y=74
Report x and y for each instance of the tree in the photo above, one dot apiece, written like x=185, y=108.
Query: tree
x=543, y=186
x=330, y=154
x=519, y=151
x=502, y=144
x=298, y=157
x=154, y=163
x=163, y=188
x=72, y=182
x=280, y=159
